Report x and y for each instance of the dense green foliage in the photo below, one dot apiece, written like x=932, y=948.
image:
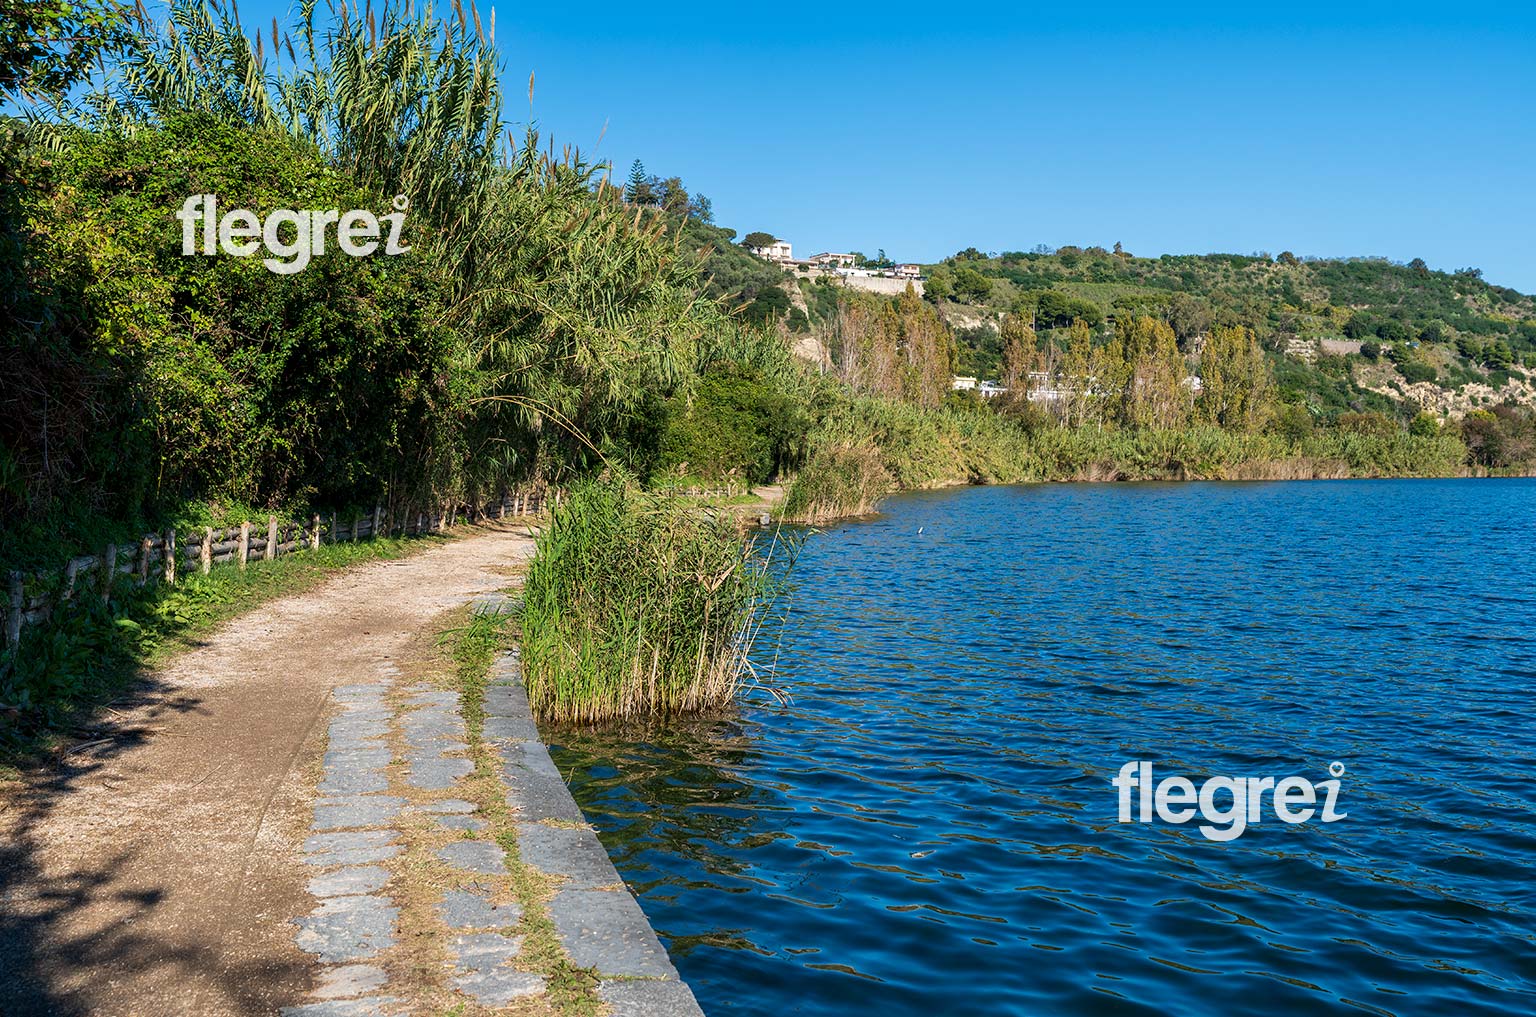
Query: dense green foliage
x=733, y=424
x=871, y=446
x=530, y=332
x=168, y=378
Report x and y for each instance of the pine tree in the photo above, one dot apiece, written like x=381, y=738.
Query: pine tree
x=639, y=189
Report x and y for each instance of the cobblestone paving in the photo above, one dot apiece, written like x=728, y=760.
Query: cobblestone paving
x=358, y=829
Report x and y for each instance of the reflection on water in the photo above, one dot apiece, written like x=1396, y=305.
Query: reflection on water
x=929, y=827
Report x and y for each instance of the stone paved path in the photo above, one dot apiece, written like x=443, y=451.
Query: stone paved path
x=397, y=758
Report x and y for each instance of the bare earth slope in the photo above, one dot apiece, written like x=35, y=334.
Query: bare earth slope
x=158, y=875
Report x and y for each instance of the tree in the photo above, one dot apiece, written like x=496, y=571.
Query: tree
x=672, y=196
x=1418, y=266
x=1233, y=378
x=1498, y=355
x=1484, y=438
x=1188, y=316
x=1055, y=309
x=1370, y=350
x=1358, y=326
x=759, y=239
x=1020, y=351
x=1153, y=394
x=48, y=46
x=940, y=285
x=971, y=284
x=1393, y=331
x=639, y=189
x=1288, y=259
x=1425, y=425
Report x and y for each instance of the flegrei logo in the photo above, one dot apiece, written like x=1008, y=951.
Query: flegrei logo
x=241, y=233
x=1176, y=799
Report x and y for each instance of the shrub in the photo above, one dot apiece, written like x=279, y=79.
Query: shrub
x=735, y=424
x=1424, y=425
x=1416, y=371
x=1371, y=424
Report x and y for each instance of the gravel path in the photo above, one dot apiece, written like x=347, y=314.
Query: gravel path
x=160, y=874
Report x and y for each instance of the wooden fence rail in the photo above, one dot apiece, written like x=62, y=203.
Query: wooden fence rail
x=31, y=599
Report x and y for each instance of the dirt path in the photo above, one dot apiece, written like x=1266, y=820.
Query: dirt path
x=159, y=874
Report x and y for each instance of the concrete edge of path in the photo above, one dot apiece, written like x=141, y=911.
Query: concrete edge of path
x=598, y=920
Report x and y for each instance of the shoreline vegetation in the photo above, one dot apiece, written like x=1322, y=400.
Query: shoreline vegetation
x=873, y=456
x=636, y=605
x=551, y=327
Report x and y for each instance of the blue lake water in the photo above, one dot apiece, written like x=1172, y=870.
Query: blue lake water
x=929, y=827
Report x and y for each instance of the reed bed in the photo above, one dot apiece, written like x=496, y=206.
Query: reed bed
x=636, y=607
x=876, y=447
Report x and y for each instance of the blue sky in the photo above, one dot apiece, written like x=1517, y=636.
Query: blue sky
x=1400, y=130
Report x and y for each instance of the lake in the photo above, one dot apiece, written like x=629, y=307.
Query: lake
x=929, y=826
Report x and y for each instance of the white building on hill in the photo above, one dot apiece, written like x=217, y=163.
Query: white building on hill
x=779, y=250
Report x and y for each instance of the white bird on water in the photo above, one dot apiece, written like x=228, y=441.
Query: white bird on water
x=919, y=531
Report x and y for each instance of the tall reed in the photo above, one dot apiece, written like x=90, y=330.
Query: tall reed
x=636, y=607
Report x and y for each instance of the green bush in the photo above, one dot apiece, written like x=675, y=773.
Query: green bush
x=177, y=378
x=734, y=424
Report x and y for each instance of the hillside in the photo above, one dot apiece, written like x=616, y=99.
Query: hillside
x=1451, y=340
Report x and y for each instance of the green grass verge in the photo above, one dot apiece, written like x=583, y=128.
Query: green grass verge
x=91, y=652
x=569, y=990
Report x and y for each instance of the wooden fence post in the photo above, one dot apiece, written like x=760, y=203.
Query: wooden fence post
x=270, y=551
x=378, y=517
x=170, y=556
x=68, y=593
x=108, y=572
x=314, y=534
x=14, y=610
x=144, y=548
x=205, y=556
x=245, y=542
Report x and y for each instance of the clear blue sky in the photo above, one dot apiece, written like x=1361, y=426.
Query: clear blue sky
x=1402, y=130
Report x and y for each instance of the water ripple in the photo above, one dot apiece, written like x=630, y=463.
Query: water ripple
x=929, y=827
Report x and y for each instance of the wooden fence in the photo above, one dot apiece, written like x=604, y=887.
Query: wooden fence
x=163, y=557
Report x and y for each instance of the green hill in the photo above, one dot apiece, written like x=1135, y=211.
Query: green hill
x=1325, y=322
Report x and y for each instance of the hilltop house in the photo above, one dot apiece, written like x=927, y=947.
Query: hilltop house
x=909, y=271
x=779, y=250
x=830, y=260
